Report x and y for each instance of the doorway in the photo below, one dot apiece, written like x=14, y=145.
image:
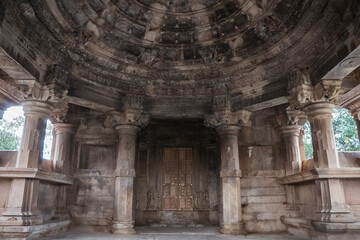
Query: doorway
x=177, y=179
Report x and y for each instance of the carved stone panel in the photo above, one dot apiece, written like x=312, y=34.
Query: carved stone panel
x=177, y=179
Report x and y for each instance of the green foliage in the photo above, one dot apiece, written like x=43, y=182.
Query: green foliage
x=8, y=138
x=346, y=137
x=307, y=141
x=345, y=131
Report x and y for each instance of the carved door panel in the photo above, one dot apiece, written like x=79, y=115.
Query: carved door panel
x=177, y=179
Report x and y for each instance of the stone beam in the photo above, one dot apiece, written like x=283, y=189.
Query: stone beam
x=266, y=104
x=345, y=67
x=89, y=104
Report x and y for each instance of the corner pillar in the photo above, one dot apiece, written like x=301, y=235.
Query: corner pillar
x=356, y=115
x=123, y=222
x=331, y=202
x=64, y=132
x=322, y=134
x=21, y=208
x=230, y=180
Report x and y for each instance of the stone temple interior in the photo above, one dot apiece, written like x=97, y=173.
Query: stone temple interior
x=180, y=112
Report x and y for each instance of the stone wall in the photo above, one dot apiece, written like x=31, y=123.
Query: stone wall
x=8, y=158
x=261, y=164
x=4, y=189
x=91, y=198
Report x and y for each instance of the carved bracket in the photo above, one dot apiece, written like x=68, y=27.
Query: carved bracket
x=132, y=118
x=288, y=118
x=227, y=117
x=302, y=92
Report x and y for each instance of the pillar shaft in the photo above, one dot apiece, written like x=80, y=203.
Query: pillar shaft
x=331, y=206
x=322, y=133
x=63, y=137
x=64, y=132
x=32, y=141
x=123, y=219
x=356, y=115
x=290, y=139
x=21, y=208
x=230, y=180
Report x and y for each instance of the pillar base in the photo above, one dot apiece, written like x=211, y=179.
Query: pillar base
x=16, y=220
x=123, y=228
x=233, y=229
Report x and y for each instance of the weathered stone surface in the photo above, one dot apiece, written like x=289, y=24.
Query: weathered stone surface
x=110, y=68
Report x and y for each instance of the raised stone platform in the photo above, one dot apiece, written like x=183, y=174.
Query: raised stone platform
x=307, y=229
x=89, y=233
x=33, y=232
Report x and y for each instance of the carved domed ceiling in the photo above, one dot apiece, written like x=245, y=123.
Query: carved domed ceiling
x=186, y=47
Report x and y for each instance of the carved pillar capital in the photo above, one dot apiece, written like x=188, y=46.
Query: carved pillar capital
x=228, y=130
x=226, y=117
x=127, y=129
x=61, y=128
x=35, y=107
x=303, y=93
x=129, y=118
x=319, y=109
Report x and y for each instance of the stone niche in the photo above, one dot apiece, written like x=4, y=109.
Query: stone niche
x=177, y=174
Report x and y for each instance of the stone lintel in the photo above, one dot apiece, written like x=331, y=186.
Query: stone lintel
x=320, y=173
x=34, y=173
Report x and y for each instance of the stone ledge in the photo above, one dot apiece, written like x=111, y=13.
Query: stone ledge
x=35, y=231
x=320, y=173
x=335, y=227
x=35, y=173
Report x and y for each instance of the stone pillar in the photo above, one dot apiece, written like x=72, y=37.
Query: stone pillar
x=32, y=141
x=290, y=139
x=230, y=180
x=53, y=144
x=301, y=146
x=1, y=113
x=123, y=222
x=322, y=134
x=331, y=204
x=63, y=132
x=21, y=208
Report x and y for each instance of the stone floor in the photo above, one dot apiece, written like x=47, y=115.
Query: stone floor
x=161, y=233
